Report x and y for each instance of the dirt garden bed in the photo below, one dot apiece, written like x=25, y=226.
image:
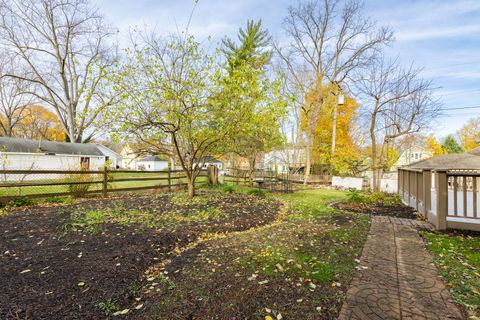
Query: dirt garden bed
x=88, y=260
x=377, y=204
x=397, y=210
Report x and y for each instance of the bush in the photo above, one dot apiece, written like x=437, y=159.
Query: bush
x=256, y=192
x=79, y=190
x=357, y=196
x=228, y=188
x=377, y=198
x=20, y=202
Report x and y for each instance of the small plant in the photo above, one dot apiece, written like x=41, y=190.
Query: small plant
x=54, y=199
x=256, y=192
x=20, y=202
x=90, y=221
x=109, y=307
x=166, y=281
x=228, y=188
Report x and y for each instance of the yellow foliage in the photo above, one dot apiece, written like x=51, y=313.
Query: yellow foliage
x=347, y=151
x=435, y=147
x=469, y=133
x=40, y=123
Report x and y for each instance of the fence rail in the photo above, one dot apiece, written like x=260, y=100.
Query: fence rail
x=448, y=199
x=16, y=184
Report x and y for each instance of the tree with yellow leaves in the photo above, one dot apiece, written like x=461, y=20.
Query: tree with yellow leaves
x=39, y=123
x=435, y=146
x=469, y=134
x=347, y=159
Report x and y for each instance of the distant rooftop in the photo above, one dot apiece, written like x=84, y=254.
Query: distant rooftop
x=44, y=146
x=152, y=158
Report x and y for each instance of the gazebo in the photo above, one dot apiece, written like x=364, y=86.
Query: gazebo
x=444, y=189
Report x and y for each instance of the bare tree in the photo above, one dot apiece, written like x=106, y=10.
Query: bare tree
x=13, y=99
x=64, y=45
x=397, y=102
x=328, y=39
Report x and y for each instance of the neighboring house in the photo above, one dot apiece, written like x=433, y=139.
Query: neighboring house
x=282, y=160
x=129, y=158
x=413, y=154
x=152, y=163
x=208, y=160
x=115, y=159
x=24, y=154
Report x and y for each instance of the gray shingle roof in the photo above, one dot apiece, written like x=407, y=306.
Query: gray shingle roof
x=151, y=158
x=461, y=161
x=475, y=152
x=37, y=146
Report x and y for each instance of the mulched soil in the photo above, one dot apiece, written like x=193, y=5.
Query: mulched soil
x=47, y=275
x=212, y=282
x=398, y=211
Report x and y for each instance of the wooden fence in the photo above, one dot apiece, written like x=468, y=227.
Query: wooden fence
x=447, y=198
x=16, y=184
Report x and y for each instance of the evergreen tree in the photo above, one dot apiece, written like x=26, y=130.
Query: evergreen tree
x=450, y=145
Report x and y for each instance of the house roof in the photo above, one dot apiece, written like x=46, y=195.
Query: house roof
x=43, y=146
x=475, y=151
x=460, y=161
x=210, y=159
x=152, y=158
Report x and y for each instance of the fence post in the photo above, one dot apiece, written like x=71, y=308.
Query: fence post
x=105, y=181
x=441, y=186
x=427, y=192
x=169, y=179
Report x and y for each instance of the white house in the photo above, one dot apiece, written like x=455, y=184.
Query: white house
x=413, y=154
x=211, y=161
x=24, y=154
x=152, y=163
x=116, y=160
x=129, y=158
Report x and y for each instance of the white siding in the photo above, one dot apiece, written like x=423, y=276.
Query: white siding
x=33, y=161
x=152, y=165
x=347, y=182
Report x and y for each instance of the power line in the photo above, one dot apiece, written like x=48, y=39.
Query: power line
x=460, y=108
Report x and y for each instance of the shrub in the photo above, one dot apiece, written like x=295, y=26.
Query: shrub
x=357, y=196
x=256, y=192
x=228, y=188
x=79, y=190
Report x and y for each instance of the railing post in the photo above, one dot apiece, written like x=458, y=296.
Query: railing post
x=441, y=186
x=427, y=192
x=399, y=182
x=415, y=174
x=169, y=179
x=105, y=181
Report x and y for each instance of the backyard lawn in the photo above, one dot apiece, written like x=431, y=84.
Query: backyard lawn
x=457, y=257
x=166, y=256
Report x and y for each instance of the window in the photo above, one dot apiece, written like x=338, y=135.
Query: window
x=416, y=156
x=84, y=163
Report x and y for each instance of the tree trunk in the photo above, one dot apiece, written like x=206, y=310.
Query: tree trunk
x=308, y=158
x=334, y=125
x=191, y=187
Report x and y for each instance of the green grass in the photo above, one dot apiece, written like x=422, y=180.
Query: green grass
x=457, y=258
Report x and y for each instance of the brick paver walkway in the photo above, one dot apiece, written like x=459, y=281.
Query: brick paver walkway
x=396, y=278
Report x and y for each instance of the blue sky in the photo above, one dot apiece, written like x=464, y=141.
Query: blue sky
x=441, y=36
